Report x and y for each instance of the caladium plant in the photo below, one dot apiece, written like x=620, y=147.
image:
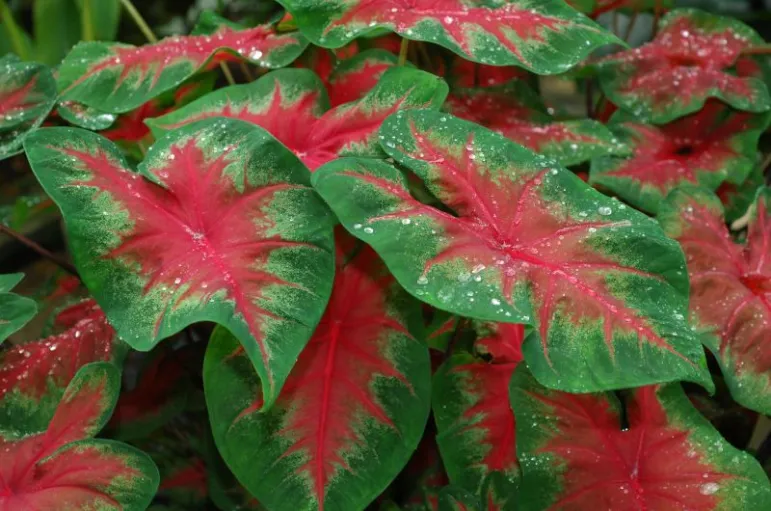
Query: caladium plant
x=63, y=467
x=730, y=287
x=404, y=272
x=654, y=451
x=117, y=78
x=714, y=145
x=27, y=94
x=203, y=232
x=515, y=111
x=353, y=408
x=545, y=37
x=293, y=106
x=525, y=241
x=693, y=58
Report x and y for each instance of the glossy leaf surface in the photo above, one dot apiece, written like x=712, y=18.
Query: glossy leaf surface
x=525, y=243
x=293, y=106
x=204, y=231
x=63, y=468
x=579, y=452
x=15, y=310
x=709, y=147
x=34, y=375
x=115, y=77
x=730, y=288
x=691, y=59
x=545, y=37
x=353, y=408
x=27, y=94
x=516, y=112
x=476, y=430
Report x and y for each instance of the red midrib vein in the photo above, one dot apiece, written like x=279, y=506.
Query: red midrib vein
x=321, y=432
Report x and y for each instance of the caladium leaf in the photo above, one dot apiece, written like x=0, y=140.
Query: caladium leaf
x=27, y=94
x=586, y=452
x=116, y=78
x=545, y=37
x=34, y=375
x=353, y=408
x=204, y=231
x=475, y=423
x=709, y=147
x=353, y=78
x=15, y=310
x=293, y=106
x=516, y=112
x=525, y=243
x=730, y=288
x=690, y=60
x=62, y=467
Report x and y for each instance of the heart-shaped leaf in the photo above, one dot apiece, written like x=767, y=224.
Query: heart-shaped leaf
x=204, y=231
x=293, y=106
x=116, y=77
x=709, y=147
x=545, y=37
x=62, y=467
x=524, y=242
x=27, y=94
x=353, y=408
x=585, y=452
x=34, y=375
x=690, y=60
x=730, y=288
x=475, y=423
x=516, y=112
x=15, y=310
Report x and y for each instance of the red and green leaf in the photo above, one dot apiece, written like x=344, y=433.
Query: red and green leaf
x=292, y=105
x=116, y=78
x=352, y=410
x=714, y=145
x=203, y=231
x=476, y=430
x=27, y=94
x=63, y=468
x=730, y=288
x=585, y=452
x=737, y=199
x=516, y=112
x=84, y=116
x=545, y=37
x=691, y=59
x=34, y=375
x=15, y=310
x=353, y=78
x=524, y=242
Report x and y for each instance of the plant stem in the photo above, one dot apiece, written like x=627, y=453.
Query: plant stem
x=227, y=73
x=590, y=99
x=139, y=20
x=630, y=27
x=759, y=433
x=403, y=51
x=87, y=31
x=247, y=72
x=764, y=49
x=59, y=261
x=14, y=32
x=656, y=17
